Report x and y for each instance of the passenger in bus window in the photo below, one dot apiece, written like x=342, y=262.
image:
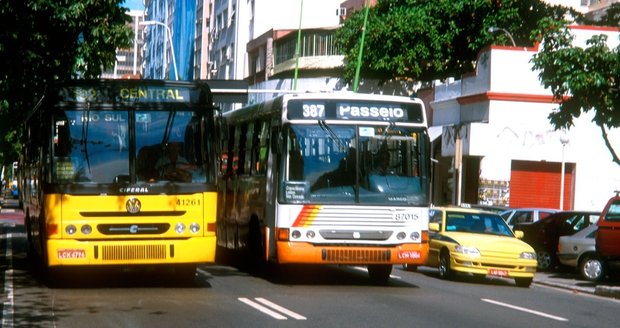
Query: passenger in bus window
x=383, y=166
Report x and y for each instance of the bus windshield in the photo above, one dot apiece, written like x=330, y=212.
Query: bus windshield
x=94, y=146
x=347, y=164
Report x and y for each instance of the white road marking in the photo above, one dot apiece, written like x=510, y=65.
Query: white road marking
x=281, y=309
x=262, y=308
x=518, y=308
x=274, y=307
x=8, y=304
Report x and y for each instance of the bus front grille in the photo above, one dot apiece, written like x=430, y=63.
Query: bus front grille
x=352, y=256
x=133, y=252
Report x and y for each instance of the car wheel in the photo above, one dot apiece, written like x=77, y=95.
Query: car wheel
x=591, y=268
x=444, y=266
x=523, y=282
x=544, y=260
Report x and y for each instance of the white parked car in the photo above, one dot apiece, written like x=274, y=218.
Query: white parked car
x=579, y=251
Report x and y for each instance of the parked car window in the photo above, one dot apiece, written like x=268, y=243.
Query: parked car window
x=522, y=217
x=613, y=214
x=542, y=214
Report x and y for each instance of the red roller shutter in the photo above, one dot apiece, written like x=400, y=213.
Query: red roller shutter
x=537, y=184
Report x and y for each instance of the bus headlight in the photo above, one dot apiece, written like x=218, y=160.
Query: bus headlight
x=296, y=234
x=179, y=228
x=401, y=235
x=310, y=234
x=194, y=227
x=70, y=229
x=415, y=235
x=86, y=229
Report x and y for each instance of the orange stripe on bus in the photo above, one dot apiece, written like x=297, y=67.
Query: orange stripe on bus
x=306, y=215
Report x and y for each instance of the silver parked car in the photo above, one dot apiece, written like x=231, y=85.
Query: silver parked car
x=525, y=215
x=579, y=251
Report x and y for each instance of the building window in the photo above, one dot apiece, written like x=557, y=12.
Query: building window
x=317, y=43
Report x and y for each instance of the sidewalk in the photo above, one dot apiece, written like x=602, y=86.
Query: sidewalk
x=572, y=282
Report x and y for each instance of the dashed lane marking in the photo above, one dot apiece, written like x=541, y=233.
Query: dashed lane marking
x=518, y=308
x=271, y=309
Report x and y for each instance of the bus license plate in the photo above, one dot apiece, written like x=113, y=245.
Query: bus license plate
x=498, y=273
x=408, y=255
x=71, y=254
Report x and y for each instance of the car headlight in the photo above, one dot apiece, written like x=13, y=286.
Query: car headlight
x=467, y=250
x=527, y=255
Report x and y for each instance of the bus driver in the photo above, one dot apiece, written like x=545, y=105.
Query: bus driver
x=173, y=166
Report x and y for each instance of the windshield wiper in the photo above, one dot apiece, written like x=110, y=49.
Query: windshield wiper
x=341, y=146
x=84, y=140
x=168, y=130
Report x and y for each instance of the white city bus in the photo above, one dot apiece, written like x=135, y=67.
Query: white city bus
x=327, y=178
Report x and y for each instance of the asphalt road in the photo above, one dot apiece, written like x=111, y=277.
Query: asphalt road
x=298, y=296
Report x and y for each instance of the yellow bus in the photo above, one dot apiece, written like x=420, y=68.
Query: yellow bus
x=121, y=172
x=327, y=178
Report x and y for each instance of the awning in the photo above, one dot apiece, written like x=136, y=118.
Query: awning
x=434, y=132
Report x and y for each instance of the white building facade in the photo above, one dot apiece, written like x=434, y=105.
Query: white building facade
x=501, y=112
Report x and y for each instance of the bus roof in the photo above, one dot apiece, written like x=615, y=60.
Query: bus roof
x=338, y=106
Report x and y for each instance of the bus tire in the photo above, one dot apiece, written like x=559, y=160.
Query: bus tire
x=185, y=273
x=410, y=267
x=256, y=249
x=379, y=273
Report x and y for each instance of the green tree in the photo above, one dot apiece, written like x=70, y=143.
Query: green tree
x=424, y=40
x=582, y=79
x=42, y=41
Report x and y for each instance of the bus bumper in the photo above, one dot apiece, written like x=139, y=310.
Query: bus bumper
x=134, y=252
x=300, y=252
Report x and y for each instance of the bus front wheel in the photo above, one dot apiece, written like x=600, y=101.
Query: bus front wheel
x=379, y=273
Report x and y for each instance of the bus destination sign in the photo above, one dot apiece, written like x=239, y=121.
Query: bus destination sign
x=354, y=110
x=83, y=94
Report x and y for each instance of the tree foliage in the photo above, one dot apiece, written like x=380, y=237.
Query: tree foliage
x=424, y=40
x=582, y=79
x=52, y=40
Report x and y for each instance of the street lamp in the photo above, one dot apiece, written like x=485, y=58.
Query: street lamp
x=564, y=140
x=493, y=29
x=174, y=61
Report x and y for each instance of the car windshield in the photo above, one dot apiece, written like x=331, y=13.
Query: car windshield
x=346, y=164
x=479, y=223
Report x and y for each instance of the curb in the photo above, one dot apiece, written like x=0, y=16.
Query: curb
x=603, y=291
x=607, y=291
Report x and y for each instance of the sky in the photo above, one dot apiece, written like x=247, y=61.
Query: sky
x=134, y=4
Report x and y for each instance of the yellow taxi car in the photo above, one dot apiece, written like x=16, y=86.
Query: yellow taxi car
x=479, y=243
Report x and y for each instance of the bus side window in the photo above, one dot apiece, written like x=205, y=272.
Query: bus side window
x=263, y=152
x=239, y=150
x=259, y=147
x=249, y=143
